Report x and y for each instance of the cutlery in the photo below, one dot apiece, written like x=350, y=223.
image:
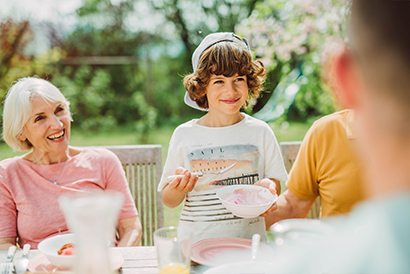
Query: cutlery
x=21, y=265
x=7, y=267
x=200, y=174
x=256, y=238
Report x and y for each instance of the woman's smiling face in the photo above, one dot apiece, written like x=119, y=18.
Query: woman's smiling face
x=227, y=94
x=48, y=128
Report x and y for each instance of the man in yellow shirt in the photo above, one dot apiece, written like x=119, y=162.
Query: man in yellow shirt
x=373, y=73
x=326, y=166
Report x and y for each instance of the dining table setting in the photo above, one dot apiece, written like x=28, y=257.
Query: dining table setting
x=142, y=259
x=89, y=249
x=136, y=260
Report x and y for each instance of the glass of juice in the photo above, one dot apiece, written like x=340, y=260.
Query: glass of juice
x=173, y=250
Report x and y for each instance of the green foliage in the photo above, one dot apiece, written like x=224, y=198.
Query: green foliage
x=88, y=92
x=146, y=91
x=286, y=34
x=14, y=63
x=148, y=116
x=14, y=36
x=193, y=20
x=314, y=98
x=103, y=96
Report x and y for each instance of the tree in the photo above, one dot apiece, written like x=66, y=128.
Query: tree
x=14, y=37
x=155, y=78
x=196, y=19
x=192, y=21
x=106, y=94
x=288, y=33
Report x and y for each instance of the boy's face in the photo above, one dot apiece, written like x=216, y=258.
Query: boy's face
x=227, y=94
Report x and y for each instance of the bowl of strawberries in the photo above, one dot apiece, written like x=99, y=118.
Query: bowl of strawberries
x=59, y=250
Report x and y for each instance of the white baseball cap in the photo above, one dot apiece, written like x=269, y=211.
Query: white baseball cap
x=208, y=41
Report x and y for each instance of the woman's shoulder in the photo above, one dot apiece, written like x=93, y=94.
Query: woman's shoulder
x=12, y=162
x=12, y=166
x=6, y=163
x=94, y=153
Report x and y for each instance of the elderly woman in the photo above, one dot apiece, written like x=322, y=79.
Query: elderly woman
x=37, y=117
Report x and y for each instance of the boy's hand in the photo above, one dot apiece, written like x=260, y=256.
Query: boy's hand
x=271, y=185
x=185, y=183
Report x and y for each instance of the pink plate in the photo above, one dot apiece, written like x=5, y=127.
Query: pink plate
x=40, y=263
x=218, y=251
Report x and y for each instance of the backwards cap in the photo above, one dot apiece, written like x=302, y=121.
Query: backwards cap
x=208, y=41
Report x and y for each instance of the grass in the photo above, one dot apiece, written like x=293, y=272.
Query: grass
x=126, y=136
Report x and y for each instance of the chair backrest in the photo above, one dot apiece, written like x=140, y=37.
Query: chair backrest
x=143, y=167
x=290, y=151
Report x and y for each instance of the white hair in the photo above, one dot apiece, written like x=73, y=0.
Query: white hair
x=17, y=108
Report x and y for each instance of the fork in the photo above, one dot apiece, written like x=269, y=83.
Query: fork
x=7, y=267
x=200, y=174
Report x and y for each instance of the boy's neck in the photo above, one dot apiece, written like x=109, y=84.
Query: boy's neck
x=221, y=120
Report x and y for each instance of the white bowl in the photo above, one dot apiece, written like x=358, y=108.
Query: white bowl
x=51, y=245
x=246, y=211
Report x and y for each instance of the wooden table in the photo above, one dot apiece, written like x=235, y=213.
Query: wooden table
x=137, y=260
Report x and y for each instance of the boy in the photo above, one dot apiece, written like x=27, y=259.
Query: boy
x=224, y=80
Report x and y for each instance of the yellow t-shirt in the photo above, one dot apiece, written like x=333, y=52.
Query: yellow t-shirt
x=327, y=165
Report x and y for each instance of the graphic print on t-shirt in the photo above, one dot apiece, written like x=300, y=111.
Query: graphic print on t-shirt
x=202, y=204
x=214, y=159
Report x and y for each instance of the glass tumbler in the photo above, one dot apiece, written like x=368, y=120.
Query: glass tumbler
x=92, y=217
x=173, y=250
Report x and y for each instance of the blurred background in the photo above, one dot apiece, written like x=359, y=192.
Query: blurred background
x=121, y=62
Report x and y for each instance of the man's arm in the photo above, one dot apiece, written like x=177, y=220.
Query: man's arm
x=288, y=206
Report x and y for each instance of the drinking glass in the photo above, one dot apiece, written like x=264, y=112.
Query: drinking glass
x=173, y=250
x=92, y=218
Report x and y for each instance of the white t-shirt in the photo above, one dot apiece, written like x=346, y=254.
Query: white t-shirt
x=251, y=144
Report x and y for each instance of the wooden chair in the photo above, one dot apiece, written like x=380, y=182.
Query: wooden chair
x=143, y=167
x=289, y=152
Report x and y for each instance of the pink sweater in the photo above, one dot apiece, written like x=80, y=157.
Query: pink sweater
x=29, y=208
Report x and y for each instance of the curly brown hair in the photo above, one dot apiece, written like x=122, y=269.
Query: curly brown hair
x=227, y=59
